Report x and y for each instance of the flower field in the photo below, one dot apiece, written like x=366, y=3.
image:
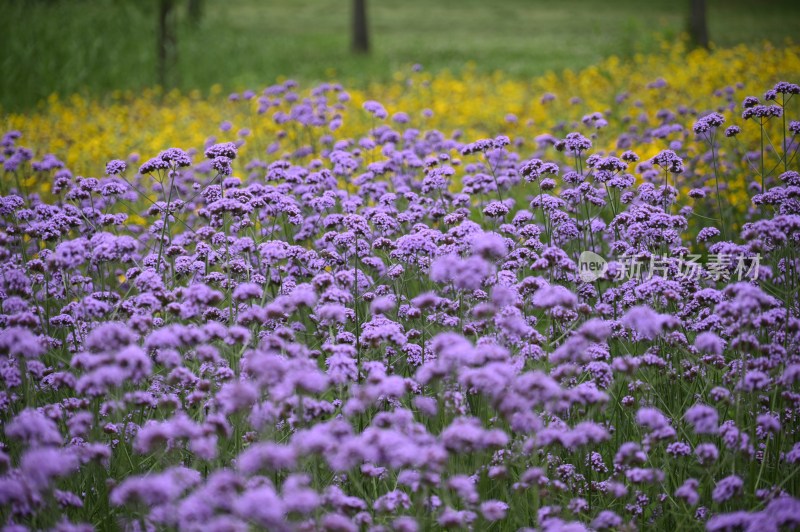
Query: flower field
x=467, y=302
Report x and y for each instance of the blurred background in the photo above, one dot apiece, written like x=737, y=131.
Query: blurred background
x=96, y=47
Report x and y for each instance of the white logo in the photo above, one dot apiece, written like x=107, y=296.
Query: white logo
x=591, y=266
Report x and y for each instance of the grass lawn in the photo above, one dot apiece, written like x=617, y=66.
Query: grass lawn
x=96, y=46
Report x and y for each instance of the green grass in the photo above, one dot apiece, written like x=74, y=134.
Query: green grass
x=95, y=46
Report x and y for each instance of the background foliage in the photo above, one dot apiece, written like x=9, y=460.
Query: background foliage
x=96, y=46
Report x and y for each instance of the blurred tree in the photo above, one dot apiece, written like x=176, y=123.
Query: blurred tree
x=167, y=43
x=698, y=26
x=360, y=33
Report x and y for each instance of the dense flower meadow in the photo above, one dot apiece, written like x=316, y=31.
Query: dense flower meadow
x=344, y=318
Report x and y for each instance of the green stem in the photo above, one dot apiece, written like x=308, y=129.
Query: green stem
x=763, y=187
x=166, y=218
x=716, y=181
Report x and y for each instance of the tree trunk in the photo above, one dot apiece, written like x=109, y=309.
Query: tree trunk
x=698, y=26
x=360, y=33
x=167, y=43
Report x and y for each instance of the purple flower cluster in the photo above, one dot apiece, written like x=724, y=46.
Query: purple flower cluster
x=394, y=332
x=708, y=122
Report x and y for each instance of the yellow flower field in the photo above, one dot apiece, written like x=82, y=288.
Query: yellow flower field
x=86, y=133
